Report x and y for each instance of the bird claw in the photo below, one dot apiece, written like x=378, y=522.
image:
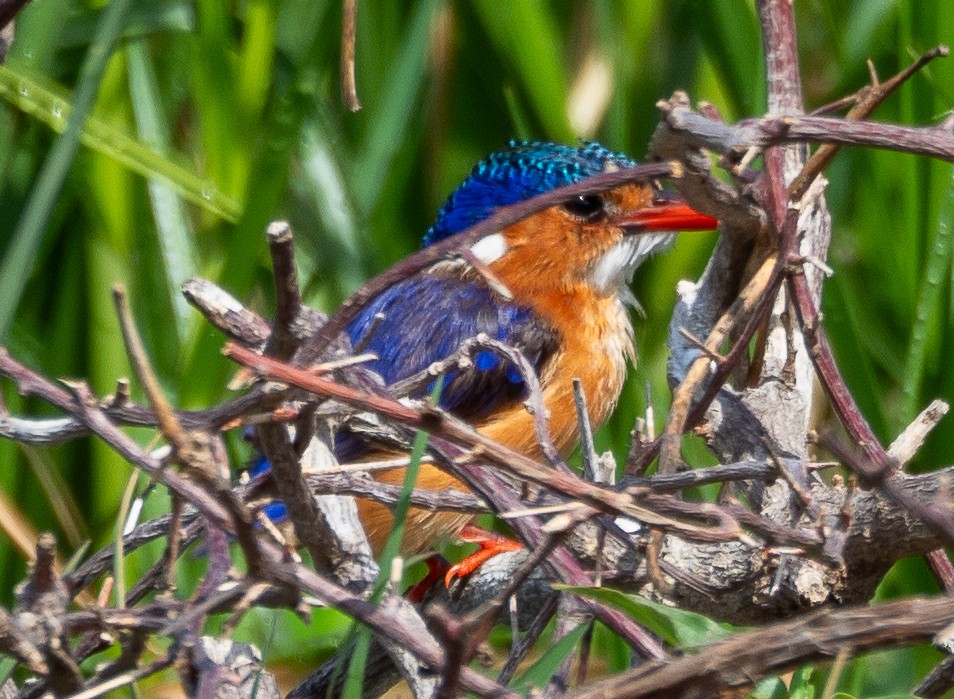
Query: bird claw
x=490, y=543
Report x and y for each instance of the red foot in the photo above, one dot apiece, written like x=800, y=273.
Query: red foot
x=437, y=567
x=491, y=544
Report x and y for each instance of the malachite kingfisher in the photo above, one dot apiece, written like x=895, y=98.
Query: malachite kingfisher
x=564, y=273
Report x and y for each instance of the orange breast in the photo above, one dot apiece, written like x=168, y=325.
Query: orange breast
x=597, y=340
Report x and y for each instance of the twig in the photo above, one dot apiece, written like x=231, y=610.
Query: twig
x=283, y=341
x=446, y=425
x=226, y=313
x=938, y=681
x=9, y=10
x=349, y=22
x=935, y=142
x=873, y=95
x=760, y=285
x=882, y=474
x=98, y=689
x=586, y=432
x=519, y=650
x=909, y=442
x=168, y=422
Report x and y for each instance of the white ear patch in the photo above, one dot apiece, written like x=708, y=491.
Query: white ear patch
x=489, y=248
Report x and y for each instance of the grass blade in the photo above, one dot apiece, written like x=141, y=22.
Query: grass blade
x=928, y=307
x=172, y=225
x=44, y=104
x=17, y=264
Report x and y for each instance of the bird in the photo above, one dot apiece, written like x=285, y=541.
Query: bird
x=554, y=286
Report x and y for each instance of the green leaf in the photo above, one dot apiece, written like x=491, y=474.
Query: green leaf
x=801, y=686
x=538, y=674
x=675, y=626
x=43, y=103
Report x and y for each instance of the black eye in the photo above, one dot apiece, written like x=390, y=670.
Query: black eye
x=588, y=207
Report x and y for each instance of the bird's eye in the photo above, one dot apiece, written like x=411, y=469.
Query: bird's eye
x=589, y=207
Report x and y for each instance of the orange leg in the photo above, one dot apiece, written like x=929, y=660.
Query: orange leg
x=490, y=544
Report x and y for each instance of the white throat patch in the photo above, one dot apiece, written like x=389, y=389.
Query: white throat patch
x=615, y=268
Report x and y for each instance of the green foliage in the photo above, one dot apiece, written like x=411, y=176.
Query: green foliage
x=208, y=119
x=677, y=627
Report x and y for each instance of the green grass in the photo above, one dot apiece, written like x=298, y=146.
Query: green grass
x=211, y=119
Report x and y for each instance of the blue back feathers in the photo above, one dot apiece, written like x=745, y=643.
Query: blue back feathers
x=426, y=318
x=524, y=170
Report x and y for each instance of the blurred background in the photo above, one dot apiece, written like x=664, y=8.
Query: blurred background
x=212, y=118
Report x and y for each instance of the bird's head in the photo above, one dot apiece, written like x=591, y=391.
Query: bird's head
x=596, y=240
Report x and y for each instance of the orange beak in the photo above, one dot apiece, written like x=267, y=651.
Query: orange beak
x=667, y=213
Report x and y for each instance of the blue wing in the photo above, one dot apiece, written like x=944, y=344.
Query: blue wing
x=427, y=317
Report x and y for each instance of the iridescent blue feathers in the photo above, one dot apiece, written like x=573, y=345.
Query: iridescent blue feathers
x=426, y=318
x=526, y=169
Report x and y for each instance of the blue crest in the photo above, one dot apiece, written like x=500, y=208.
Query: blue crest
x=524, y=170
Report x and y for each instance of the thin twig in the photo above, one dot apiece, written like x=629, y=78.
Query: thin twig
x=873, y=96
x=281, y=245
x=349, y=24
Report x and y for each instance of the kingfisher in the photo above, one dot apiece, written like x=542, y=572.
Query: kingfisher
x=554, y=286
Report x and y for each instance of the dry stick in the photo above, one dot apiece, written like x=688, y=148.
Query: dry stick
x=748, y=298
x=777, y=22
x=586, y=432
x=759, y=289
x=349, y=23
x=702, y=132
x=9, y=10
x=351, y=484
x=561, y=561
x=227, y=314
x=310, y=524
x=55, y=431
x=481, y=620
x=729, y=667
x=282, y=342
x=448, y=426
x=519, y=649
x=937, y=513
x=910, y=441
x=938, y=560
x=100, y=688
x=443, y=425
x=902, y=450
x=17, y=644
x=938, y=681
x=467, y=633
x=169, y=424
x=193, y=449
